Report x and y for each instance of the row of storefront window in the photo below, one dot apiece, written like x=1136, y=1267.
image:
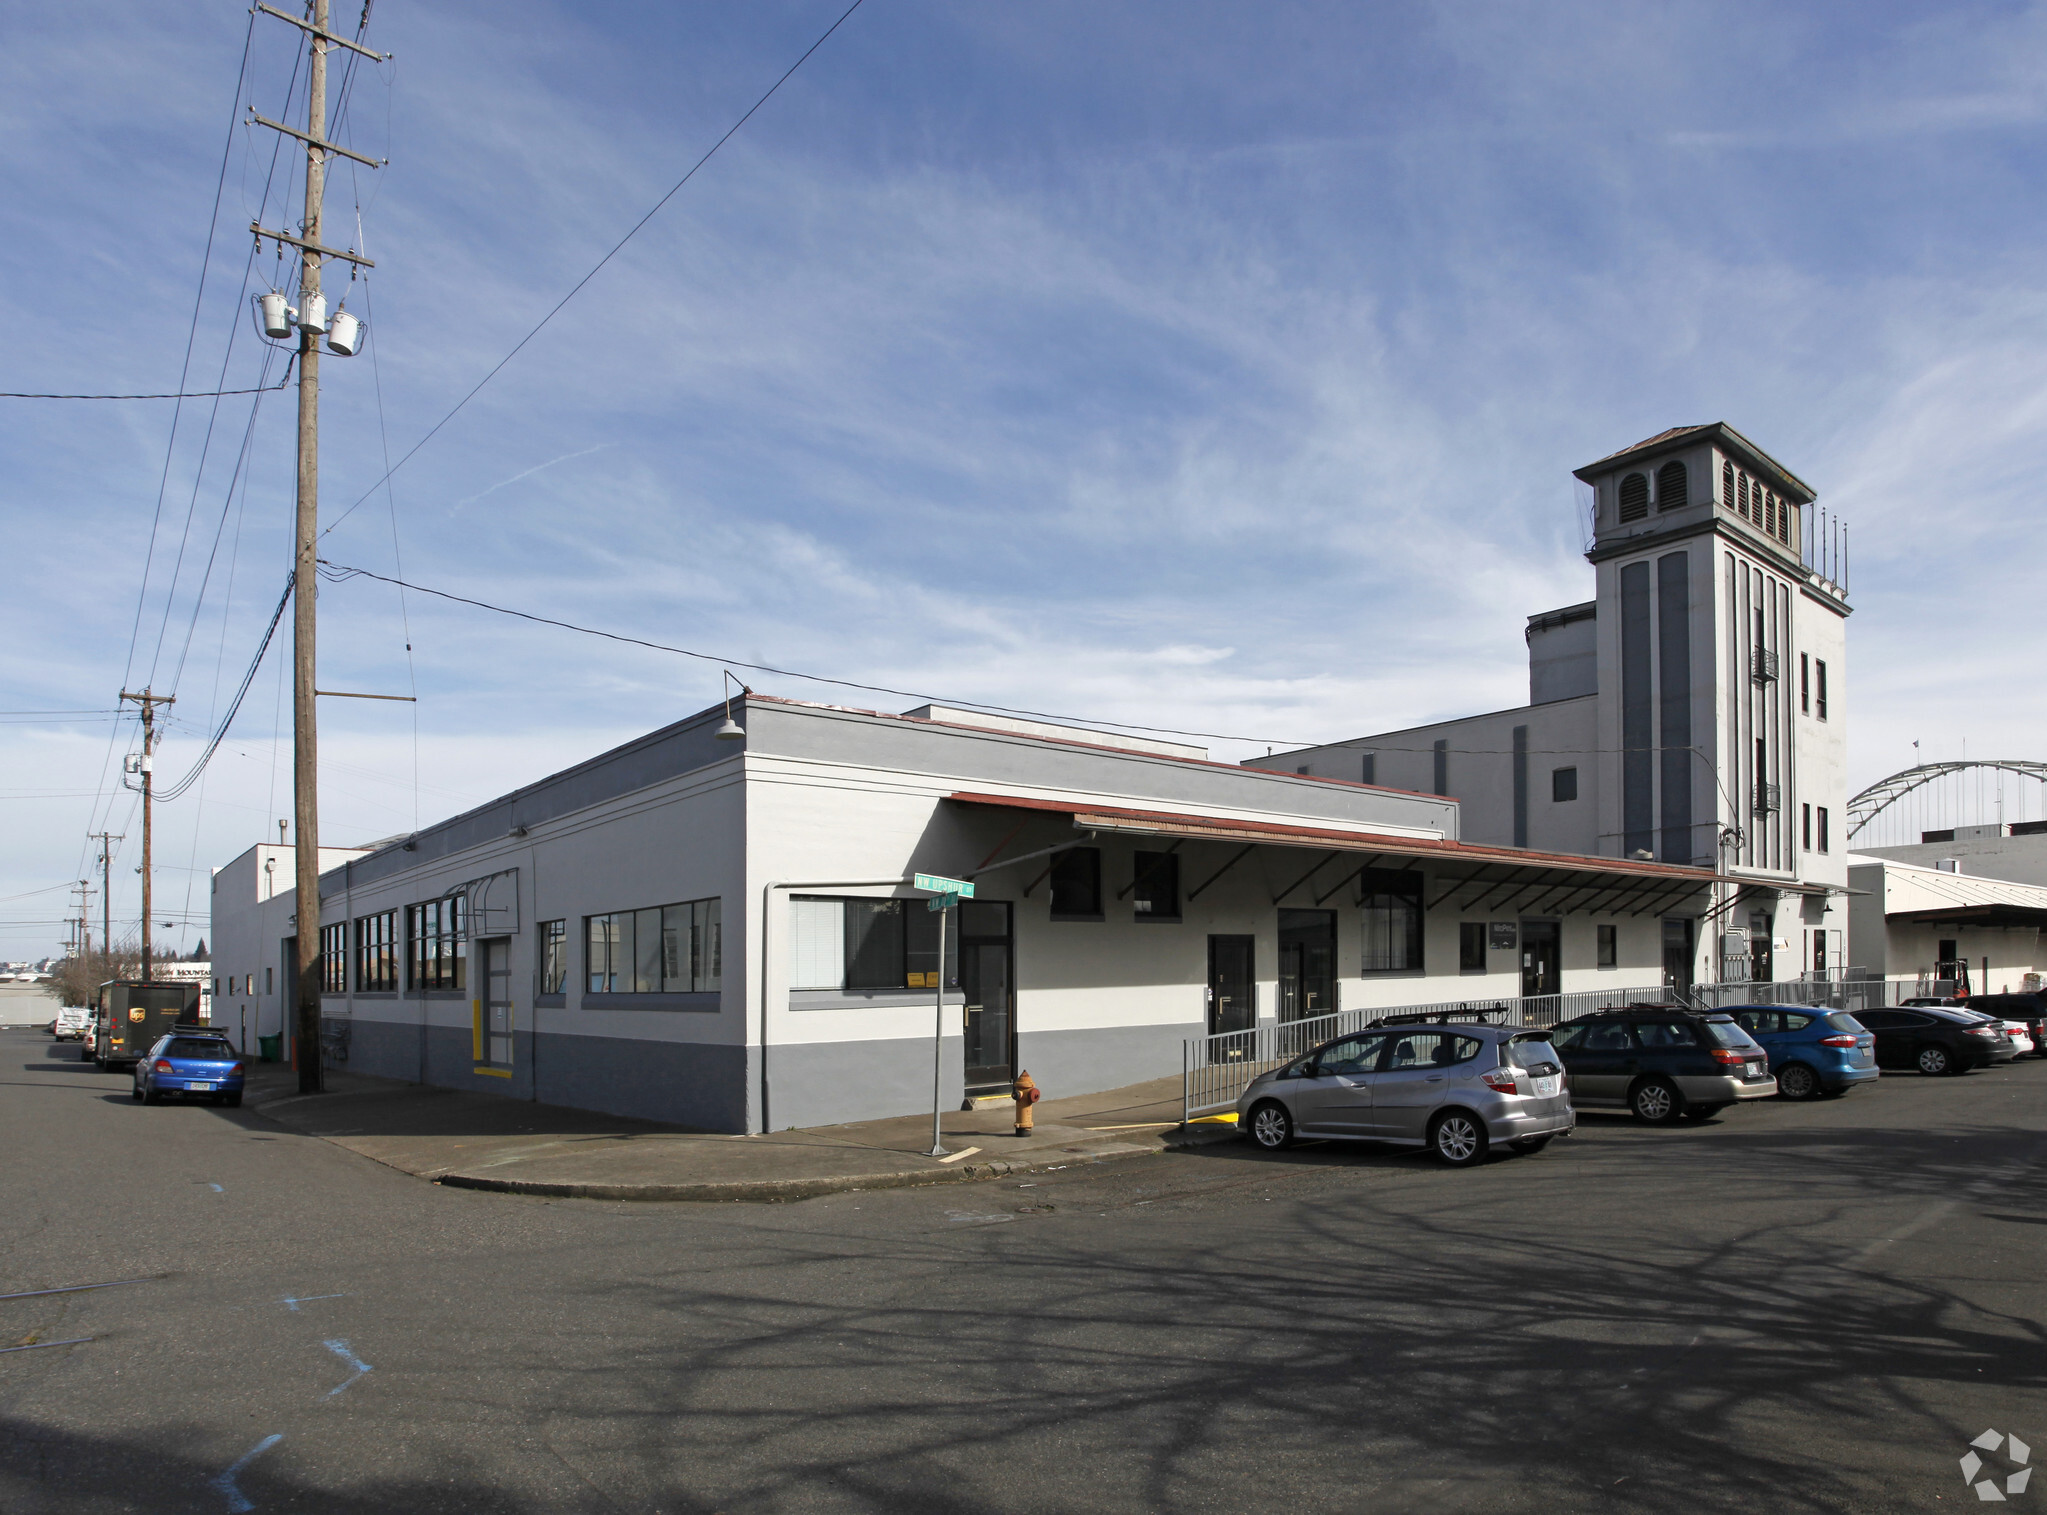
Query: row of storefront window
x=666, y=949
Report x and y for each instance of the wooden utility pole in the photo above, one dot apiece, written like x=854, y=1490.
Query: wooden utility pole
x=84, y=892
x=311, y=317
x=148, y=702
x=305, y=752
x=105, y=840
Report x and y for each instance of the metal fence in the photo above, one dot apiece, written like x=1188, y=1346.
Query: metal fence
x=1817, y=992
x=1217, y=1069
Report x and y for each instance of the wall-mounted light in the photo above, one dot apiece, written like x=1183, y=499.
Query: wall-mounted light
x=732, y=731
x=516, y=831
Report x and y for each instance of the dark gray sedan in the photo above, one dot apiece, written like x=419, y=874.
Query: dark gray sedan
x=1453, y=1088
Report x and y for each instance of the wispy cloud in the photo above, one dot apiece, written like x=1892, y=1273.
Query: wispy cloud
x=527, y=473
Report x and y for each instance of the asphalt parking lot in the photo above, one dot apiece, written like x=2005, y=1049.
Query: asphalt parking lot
x=1792, y=1308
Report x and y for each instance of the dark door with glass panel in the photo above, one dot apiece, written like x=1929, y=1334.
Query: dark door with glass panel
x=1541, y=953
x=1677, y=955
x=1232, y=1002
x=986, y=969
x=1761, y=960
x=1307, y=964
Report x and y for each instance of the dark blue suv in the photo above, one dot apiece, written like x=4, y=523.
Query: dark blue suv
x=1812, y=1052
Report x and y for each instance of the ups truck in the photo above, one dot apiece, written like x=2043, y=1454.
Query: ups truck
x=132, y=1014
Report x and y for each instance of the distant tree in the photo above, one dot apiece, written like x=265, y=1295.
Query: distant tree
x=76, y=980
x=198, y=952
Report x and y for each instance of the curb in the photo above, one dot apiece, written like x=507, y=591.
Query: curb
x=735, y=1191
x=779, y=1190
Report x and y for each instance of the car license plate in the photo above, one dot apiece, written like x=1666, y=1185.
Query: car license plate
x=199, y=1088
x=1546, y=1088
x=1758, y=1070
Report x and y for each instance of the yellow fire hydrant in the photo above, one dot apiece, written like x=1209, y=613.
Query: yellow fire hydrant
x=1026, y=1095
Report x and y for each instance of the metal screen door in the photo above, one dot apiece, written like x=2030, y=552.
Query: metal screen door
x=497, y=1003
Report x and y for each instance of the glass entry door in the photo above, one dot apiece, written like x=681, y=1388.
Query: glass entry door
x=1232, y=1005
x=1541, y=952
x=985, y=969
x=1307, y=964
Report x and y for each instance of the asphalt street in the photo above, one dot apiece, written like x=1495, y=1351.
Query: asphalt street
x=1788, y=1308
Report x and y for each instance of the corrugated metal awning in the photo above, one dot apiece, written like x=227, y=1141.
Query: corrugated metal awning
x=1501, y=877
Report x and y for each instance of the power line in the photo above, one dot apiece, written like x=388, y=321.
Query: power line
x=337, y=573
x=635, y=231
x=195, y=394
x=177, y=790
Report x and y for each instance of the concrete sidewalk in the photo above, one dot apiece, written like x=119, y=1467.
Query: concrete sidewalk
x=479, y=1141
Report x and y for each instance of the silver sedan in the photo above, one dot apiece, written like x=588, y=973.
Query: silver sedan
x=1453, y=1088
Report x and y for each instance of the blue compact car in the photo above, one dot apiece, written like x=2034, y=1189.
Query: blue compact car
x=1812, y=1052
x=190, y=1063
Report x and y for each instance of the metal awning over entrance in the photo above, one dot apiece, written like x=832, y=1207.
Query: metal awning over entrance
x=1470, y=876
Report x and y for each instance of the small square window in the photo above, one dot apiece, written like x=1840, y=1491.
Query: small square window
x=1471, y=946
x=1563, y=785
x=1609, y=946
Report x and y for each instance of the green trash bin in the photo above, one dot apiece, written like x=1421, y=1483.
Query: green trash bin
x=270, y=1048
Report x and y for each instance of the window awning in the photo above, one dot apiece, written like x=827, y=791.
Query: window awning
x=2000, y=915
x=1492, y=877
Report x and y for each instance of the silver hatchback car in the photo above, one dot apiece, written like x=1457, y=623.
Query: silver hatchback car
x=1455, y=1088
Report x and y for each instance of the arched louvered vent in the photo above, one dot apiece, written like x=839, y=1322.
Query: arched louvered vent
x=1673, y=486
x=1727, y=485
x=1634, y=497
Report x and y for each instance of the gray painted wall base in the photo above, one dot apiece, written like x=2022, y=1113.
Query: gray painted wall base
x=707, y=1087
x=685, y=1084
x=1064, y=1063
x=831, y=1083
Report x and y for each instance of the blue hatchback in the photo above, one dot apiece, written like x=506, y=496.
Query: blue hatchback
x=190, y=1063
x=1812, y=1052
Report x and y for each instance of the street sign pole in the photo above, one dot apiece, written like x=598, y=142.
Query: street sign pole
x=938, y=1031
x=946, y=893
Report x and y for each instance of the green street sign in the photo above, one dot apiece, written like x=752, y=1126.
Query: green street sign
x=938, y=883
x=942, y=901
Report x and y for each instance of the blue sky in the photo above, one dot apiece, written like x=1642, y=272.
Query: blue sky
x=1213, y=366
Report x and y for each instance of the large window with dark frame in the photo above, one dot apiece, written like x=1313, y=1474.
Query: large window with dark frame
x=376, y=953
x=880, y=944
x=554, y=957
x=334, y=958
x=664, y=949
x=1392, y=912
x=436, y=944
x=1155, y=886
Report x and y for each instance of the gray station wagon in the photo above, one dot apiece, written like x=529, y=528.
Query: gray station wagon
x=1454, y=1088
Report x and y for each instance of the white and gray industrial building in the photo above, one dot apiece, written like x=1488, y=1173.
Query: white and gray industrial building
x=721, y=932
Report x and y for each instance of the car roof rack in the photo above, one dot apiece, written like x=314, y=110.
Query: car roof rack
x=1450, y=1015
